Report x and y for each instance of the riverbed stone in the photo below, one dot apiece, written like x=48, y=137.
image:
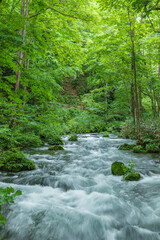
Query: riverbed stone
x=119, y=168
x=133, y=177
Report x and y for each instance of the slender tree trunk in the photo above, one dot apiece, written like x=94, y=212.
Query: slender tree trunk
x=140, y=100
x=20, y=54
x=136, y=100
x=132, y=103
x=158, y=92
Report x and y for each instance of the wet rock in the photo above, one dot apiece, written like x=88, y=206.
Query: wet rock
x=119, y=168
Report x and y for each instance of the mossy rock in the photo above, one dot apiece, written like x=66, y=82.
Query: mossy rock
x=132, y=177
x=15, y=161
x=105, y=134
x=73, y=137
x=119, y=168
x=126, y=147
x=139, y=149
x=55, y=148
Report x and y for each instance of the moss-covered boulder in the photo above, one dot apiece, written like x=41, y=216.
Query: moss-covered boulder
x=132, y=177
x=139, y=149
x=55, y=148
x=15, y=161
x=126, y=147
x=119, y=168
x=73, y=137
x=105, y=134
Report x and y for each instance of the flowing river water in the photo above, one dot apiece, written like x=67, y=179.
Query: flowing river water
x=72, y=194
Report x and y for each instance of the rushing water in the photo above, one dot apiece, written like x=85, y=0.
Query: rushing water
x=72, y=195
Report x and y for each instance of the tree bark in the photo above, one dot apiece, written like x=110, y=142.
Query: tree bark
x=20, y=54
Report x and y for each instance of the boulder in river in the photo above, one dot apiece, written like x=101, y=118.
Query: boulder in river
x=119, y=168
x=132, y=177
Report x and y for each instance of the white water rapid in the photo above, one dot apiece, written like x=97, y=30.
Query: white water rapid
x=72, y=194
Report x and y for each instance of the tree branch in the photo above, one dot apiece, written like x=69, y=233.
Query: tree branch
x=64, y=14
x=156, y=31
x=51, y=7
x=38, y=13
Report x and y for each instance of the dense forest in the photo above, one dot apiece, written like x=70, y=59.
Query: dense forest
x=75, y=67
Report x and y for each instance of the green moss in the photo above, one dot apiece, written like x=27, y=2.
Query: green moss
x=119, y=168
x=132, y=177
x=105, y=134
x=14, y=161
x=139, y=149
x=55, y=148
x=73, y=137
x=126, y=147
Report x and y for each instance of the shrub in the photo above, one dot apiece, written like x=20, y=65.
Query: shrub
x=7, y=139
x=131, y=174
x=28, y=140
x=14, y=161
x=139, y=149
x=48, y=135
x=55, y=148
x=6, y=197
x=152, y=148
x=126, y=147
x=105, y=134
x=73, y=137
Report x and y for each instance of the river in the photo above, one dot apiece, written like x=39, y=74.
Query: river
x=72, y=194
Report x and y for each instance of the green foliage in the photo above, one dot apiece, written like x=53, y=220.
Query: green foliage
x=7, y=139
x=6, y=197
x=55, y=148
x=139, y=149
x=28, y=140
x=153, y=148
x=84, y=122
x=14, y=160
x=105, y=134
x=149, y=137
x=126, y=147
x=73, y=137
x=51, y=137
x=130, y=174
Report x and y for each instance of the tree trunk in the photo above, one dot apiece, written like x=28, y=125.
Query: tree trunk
x=133, y=67
x=20, y=55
